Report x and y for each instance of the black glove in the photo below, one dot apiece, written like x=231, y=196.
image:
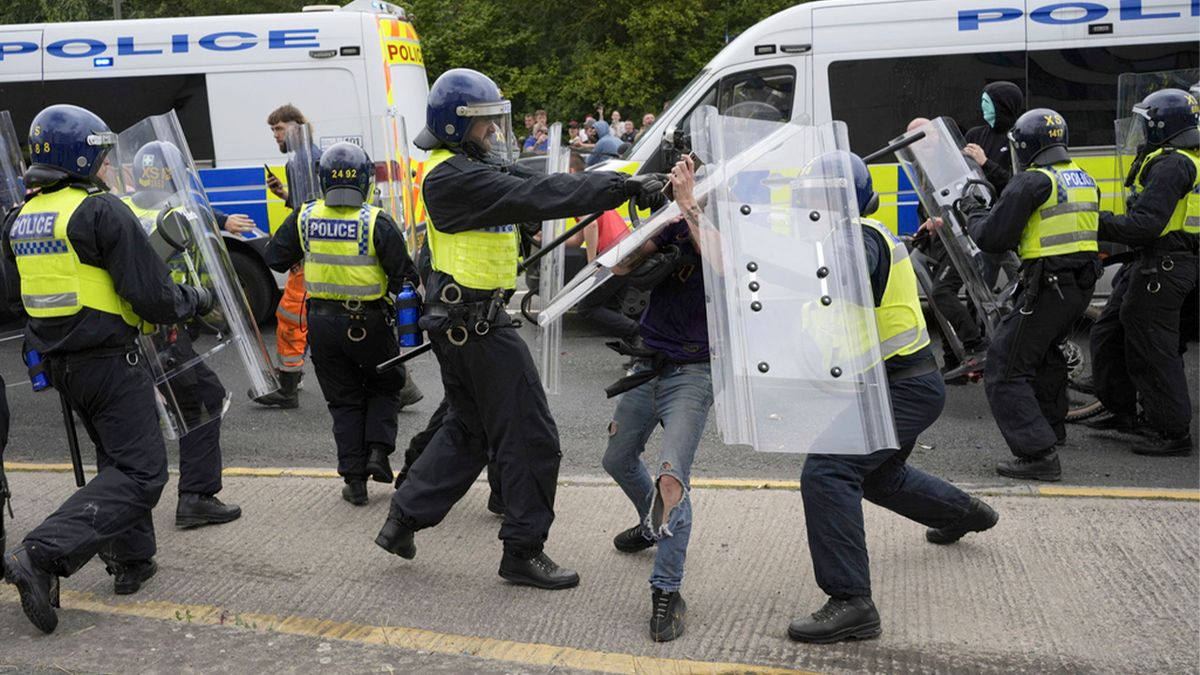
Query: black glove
x=969, y=203
x=204, y=300
x=647, y=189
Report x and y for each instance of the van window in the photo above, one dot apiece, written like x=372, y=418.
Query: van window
x=877, y=98
x=767, y=94
x=121, y=102
x=1081, y=84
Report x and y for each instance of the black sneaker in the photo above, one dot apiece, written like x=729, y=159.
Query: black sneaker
x=1122, y=424
x=355, y=492
x=979, y=517
x=38, y=589
x=128, y=577
x=398, y=539
x=668, y=611
x=840, y=619
x=633, y=540
x=194, y=510
x=379, y=468
x=539, y=571
x=1044, y=468
x=1164, y=445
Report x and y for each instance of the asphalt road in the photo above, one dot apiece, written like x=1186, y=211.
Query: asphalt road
x=963, y=446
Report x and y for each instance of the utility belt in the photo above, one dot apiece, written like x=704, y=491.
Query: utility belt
x=477, y=317
x=1034, y=276
x=130, y=352
x=659, y=362
x=1155, y=259
x=357, y=310
x=925, y=367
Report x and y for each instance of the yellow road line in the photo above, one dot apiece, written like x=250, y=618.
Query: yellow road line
x=1111, y=493
x=413, y=639
x=1182, y=495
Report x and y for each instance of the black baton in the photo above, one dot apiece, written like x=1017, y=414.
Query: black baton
x=902, y=143
x=558, y=241
x=72, y=440
x=397, y=361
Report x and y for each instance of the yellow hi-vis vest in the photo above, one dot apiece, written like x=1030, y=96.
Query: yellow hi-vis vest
x=54, y=282
x=339, y=252
x=1068, y=220
x=901, y=323
x=482, y=259
x=1186, y=216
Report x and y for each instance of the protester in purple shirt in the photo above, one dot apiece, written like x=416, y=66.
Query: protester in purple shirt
x=670, y=385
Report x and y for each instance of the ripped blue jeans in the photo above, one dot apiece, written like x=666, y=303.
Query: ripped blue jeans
x=679, y=400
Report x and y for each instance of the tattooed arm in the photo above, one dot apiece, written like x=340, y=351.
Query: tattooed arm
x=705, y=238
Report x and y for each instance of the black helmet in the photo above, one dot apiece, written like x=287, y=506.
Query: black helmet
x=1038, y=137
x=1169, y=116
x=70, y=139
x=346, y=175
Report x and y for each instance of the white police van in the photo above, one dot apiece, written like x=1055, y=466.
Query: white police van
x=223, y=75
x=878, y=64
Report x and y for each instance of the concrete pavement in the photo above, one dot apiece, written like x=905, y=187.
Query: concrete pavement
x=1070, y=581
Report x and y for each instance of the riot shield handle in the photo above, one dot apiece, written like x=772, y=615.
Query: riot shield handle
x=987, y=187
x=894, y=146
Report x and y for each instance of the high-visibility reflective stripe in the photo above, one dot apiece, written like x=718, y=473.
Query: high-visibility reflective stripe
x=317, y=287
x=291, y=316
x=1192, y=223
x=899, y=254
x=342, y=260
x=916, y=334
x=1070, y=207
x=1067, y=238
x=51, y=301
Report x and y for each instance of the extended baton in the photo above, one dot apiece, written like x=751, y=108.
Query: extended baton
x=72, y=439
x=558, y=241
x=892, y=147
x=397, y=361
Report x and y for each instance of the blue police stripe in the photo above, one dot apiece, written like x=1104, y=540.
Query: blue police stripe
x=43, y=247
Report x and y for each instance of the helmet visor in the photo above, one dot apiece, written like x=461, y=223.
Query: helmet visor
x=490, y=134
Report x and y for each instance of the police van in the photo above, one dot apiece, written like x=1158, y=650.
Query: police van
x=223, y=75
x=878, y=64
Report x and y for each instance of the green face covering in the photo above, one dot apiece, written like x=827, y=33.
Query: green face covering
x=989, y=111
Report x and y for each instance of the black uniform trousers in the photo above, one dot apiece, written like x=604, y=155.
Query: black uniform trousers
x=946, y=285
x=363, y=403
x=833, y=487
x=1025, y=378
x=1136, y=345
x=420, y=440
x=497, y=405
x=201, y=399
x=111, y=515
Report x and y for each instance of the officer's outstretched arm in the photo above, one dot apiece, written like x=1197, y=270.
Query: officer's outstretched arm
x=284, y=249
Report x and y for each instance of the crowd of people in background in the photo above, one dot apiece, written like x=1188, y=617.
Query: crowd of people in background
x=599, y=138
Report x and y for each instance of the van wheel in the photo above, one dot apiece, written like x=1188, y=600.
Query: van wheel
x=258, y=284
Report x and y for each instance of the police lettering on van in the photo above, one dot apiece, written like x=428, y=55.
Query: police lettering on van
x=180, y=43
x=1059, y=14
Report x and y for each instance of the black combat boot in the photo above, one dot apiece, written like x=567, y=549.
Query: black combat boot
x=539, y=571
x=1165, y=445
x=379, y=468
x=979, y=517
x=194, y=510
x=668, y=612
x=38, y=589
x=128, y=577
x=1122, y=424
x=355, y=492
x=840, y=619
x=1044, y=468
x=286, y=396
x=396, y=538
x=410, y=394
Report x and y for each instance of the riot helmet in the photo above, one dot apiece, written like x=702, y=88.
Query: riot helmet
x=66, y=141
x=1169, y=116
x=346, y=174
x=466, y=112
x=1038, y=137
x=814, y=181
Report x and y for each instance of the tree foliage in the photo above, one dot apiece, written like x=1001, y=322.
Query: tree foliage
x=561, y=56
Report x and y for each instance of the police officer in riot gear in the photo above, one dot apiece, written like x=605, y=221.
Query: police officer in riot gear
x=355, y=260
x=1049, y=214
x=87, y=278
x=833, y=486
x=496, y=400
x=1135, y=341
x=198, y=390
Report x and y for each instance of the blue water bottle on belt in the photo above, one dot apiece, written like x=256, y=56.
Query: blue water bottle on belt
x=37, y=375
x=408, y=311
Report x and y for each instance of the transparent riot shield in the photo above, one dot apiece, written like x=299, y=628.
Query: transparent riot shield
x=1130, y=134
x=12, y=166
x=303, y=184
x=942, y=176
x=553, y=268
x=393, y=175
x=158, y=179
x=795, y=351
